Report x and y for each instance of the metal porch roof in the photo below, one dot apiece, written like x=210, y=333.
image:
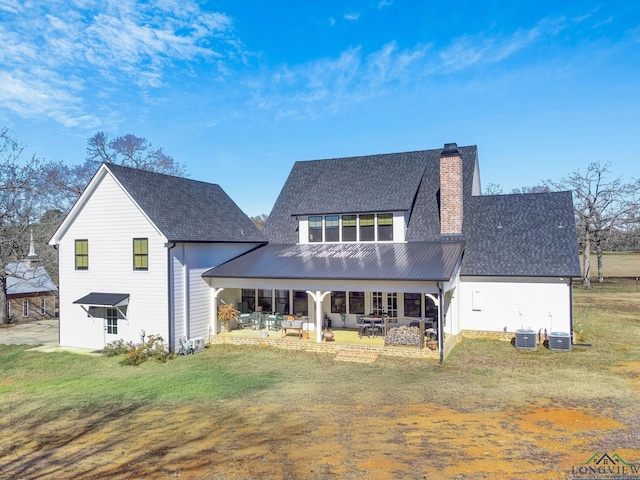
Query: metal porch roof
x=98, y=299
x=433, y=261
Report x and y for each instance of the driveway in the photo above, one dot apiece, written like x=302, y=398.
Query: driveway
x=43, y=332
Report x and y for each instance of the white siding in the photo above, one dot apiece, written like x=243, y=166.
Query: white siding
x=110, y=221
x=189, y=262
x=492, y=304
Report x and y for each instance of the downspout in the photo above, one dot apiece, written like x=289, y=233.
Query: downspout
x=571, y=308
x=440, y=325
x=169, y=295
x=56, y=298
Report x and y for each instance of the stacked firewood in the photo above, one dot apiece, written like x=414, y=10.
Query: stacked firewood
x=404, y=336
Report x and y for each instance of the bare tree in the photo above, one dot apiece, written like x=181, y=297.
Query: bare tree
x=133, y=152
x=260, y=220
x=600, y=206
x=68, y=182
x=19, y=197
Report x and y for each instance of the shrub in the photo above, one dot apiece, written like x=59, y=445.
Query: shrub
x=136, y=354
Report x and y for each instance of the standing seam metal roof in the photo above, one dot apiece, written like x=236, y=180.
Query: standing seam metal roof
x=341, y=261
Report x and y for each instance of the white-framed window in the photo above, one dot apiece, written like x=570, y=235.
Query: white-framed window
x=363, y=227
x=25, y=307
x=43, y=306
x=112, y=321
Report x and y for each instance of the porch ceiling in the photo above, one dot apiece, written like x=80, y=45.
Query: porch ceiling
x=318, y=265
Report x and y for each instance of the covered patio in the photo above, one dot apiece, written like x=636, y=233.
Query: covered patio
x=369, y=277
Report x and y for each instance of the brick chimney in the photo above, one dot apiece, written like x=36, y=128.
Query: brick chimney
x=450, y=190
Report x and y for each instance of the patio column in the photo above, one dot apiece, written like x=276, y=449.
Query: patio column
x=318, y=296
x=214, y=312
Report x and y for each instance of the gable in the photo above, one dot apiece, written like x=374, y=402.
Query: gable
x=180, y=209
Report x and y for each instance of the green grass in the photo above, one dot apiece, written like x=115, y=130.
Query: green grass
x=478, y=374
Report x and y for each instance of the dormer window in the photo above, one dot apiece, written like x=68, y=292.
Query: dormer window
x=332, y=228
x=315, y=229
x=365, y=227
x=349, y=232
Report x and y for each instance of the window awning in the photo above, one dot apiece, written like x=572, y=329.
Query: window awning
x=99, y=299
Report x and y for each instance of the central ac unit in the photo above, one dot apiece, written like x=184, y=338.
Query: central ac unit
x=526, y=338
x=559, y=341
x=197, y=343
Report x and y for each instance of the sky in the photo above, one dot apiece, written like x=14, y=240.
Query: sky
x=239, y=90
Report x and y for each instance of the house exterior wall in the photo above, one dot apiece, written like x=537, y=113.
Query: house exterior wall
x=192, y=303
x=491, y=304
x=110, y=221
x=16, y=307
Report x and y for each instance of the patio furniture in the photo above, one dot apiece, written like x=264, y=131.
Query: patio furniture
x=245, y=320
x=274, y=321
x=295, y=325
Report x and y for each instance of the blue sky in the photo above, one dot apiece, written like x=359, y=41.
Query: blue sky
x=239, y=90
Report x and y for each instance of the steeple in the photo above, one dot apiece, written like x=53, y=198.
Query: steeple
x=32, y=259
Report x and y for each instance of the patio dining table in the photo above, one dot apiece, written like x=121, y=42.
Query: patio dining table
x=371, y=325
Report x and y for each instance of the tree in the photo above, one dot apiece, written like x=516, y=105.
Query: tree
x=68, y=182
x=19, y=204
x=260, y=220
x=131, y=151
x=600, y=206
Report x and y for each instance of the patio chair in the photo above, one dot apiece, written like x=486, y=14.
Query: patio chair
x=258, y=322
x=245, y=321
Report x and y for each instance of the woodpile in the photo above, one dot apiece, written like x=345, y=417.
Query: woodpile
x=404, y=336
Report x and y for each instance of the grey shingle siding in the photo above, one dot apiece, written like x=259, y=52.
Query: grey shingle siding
x=187, y=210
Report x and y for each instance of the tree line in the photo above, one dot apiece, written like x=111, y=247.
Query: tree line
x=35, y=195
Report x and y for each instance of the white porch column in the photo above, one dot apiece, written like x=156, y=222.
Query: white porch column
x=214, y=310
x=318, y=296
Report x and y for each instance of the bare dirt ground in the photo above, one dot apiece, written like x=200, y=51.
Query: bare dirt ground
x=237, y=440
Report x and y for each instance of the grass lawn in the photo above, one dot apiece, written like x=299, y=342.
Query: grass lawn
x=492, y=411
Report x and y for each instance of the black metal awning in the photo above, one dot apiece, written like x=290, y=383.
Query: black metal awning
x=99, y=299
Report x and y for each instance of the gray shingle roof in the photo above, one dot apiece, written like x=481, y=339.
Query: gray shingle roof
x=521, y=235
x=406, y=181
x=187, y=210
x=24, y=278
x=346, y=261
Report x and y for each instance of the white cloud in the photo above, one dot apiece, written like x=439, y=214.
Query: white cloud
x=351, y=16
x=107, y=43
x=384, y=3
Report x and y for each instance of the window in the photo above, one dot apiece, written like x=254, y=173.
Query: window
x=385, y=227
x=248, y=300
x=392, y=304
x=430, y=308
x=376, y=300
x=315, y=229
x=141, y=254
x=356, y=302
x=349, y=228
x=25, y=308
x=264, y=300
x=82, y=254
x=43, y=306
x=282, y=301
x=332, y=228
x=300, y=303
x=412, y=305
x=112, y=321
x=338, y=302
x=367, y=231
